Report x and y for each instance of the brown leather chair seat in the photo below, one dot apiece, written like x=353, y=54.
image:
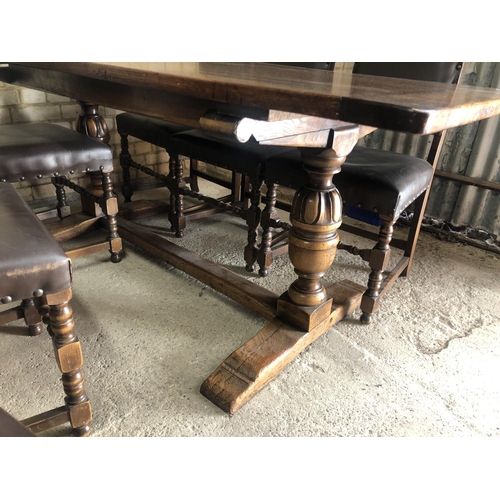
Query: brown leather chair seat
x=35, y=270
x=367, y=192
x=30, y=258
x=36, y=150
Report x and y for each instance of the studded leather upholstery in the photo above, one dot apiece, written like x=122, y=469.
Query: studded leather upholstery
x=30, y=258
x=35, y=150
x=382, y=181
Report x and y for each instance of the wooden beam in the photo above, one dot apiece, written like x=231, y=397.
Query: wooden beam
x=11, y=315
x=251, y=367
x=246, y=293
x=87, y=250
x=464, y=179
x=47, y=420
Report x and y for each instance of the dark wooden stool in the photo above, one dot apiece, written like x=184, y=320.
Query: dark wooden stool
x=36, y=271
x=248, y=159
x=38, y=150
x=160, y=133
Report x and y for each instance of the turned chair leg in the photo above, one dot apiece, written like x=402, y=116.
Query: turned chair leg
x=125, y=158
x=379, y=259
x=69, y=359
x=253, y=223
x=32, y=317
x=193, y=178
x=237, y=193
x=416, y=223
x=63, y=209
x=171, y=175
x=176, y=212
x=110, y=209
x=264, y=253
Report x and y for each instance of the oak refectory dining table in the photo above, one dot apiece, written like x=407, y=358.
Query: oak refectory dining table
x=321, y=113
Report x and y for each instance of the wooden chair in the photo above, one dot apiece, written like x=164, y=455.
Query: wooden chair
x=37, y=150
x=36, y=272
x=159, y=133
x=375, y=185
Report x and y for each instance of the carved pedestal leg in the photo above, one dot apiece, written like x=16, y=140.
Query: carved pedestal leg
x=91, y=123
x=379, y=258
x=110, y=208
x=265, y=255
x=315, y=216
x=70, y=361
x=253, y=222
x=125, y=159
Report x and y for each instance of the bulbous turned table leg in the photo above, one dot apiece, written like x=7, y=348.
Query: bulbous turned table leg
x=91, y=123
x=307, y=310
x=315, y=217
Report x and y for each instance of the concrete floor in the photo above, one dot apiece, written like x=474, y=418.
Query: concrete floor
x=429, y=364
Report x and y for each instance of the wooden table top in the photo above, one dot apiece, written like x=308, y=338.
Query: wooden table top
x=257, y=88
